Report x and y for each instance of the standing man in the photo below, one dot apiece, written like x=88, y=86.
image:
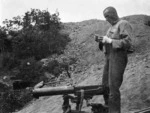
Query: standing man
x=116, y=45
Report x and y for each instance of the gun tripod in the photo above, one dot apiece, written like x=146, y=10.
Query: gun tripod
x=96, y=107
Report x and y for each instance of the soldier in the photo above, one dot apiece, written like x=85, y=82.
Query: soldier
x=116, y=45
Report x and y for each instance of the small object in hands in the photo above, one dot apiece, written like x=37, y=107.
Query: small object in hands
x=98, y=38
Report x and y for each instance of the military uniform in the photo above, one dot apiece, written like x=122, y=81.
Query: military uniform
x=115, y=62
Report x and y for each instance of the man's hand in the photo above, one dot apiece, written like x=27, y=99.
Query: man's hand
x=106, y=40
x=103, y=39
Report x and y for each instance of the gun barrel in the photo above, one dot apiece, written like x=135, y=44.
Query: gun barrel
x=61, y=90
x=49, y=91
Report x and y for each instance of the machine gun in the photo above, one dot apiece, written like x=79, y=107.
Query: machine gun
x=79, y=94
x=72, y=93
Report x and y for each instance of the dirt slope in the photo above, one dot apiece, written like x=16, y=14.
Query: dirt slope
x=135, y=89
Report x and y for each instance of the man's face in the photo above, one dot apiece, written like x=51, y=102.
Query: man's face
x=108, y=16
x=111, y=16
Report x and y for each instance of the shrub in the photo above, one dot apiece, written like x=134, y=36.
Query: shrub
x=12, y=101
x=9, y=61
x=29, y=70
x=37, y=35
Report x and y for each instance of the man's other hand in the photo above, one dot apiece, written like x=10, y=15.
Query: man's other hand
x=106, y=40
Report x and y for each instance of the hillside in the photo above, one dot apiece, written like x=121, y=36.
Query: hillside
x=135, y=89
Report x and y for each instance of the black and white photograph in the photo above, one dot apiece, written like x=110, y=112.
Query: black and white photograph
x=74, y=56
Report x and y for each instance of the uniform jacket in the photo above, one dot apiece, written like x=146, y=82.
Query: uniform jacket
x=121, y=34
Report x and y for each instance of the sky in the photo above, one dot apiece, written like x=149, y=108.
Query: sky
x=73, y=10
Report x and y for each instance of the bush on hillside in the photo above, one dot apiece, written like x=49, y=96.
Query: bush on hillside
x=9, y=61
x=4, y=41
x=57, y=67
x=12, y=101
x=36, y=34
x=30, y=71
x=32, y=37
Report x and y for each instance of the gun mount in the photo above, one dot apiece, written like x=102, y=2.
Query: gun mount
x=79, y=94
